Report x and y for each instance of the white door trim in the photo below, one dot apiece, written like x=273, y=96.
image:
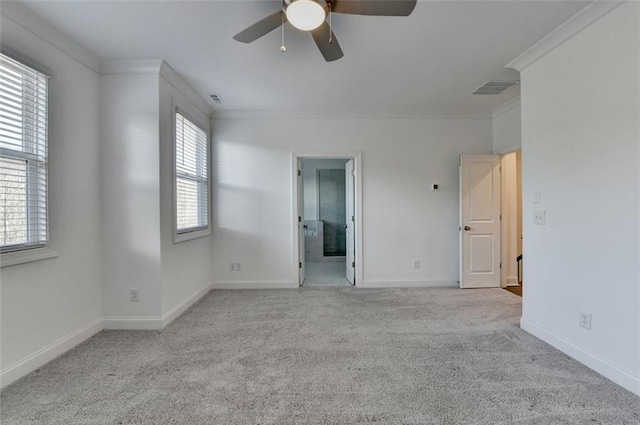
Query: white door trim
x=357, y=159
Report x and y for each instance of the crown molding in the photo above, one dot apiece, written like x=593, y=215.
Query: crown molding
x=144, y=66
x=173, y=78
x=581, y=20
x=26, y=20
x=507, y=106
x=339, y=114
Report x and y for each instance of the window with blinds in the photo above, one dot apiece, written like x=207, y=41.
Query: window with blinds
x=23, y=156
x=192, y=211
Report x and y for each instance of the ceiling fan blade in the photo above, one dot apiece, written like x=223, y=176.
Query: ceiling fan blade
x=261, y=28
x=330, y=51
x=375, y=7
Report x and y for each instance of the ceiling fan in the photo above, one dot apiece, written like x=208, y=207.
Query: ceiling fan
x=311, y=16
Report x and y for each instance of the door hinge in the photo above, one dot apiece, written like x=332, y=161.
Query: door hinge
x=459, y=228
x=299, y=265
x=500, y=265
x=353, y=264
x=500, y=217
x=299, y=173
x=353, y=218
x=299, y=219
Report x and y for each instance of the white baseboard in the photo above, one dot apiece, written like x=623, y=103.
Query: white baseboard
x=512, y=281
x=176, y=311
x=143, y=323
x=604, y=368
x=48, y=353
x=406, y=283
x=254, y=284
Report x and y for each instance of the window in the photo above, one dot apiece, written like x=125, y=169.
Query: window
x=192, y=181
x=23, y=157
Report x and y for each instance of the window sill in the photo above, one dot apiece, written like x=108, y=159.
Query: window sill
x=196, y=234
x=26, y=256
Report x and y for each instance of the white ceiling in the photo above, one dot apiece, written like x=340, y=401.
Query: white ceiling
x=427, y=63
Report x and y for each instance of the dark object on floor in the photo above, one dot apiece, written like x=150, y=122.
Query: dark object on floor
x=515, y=290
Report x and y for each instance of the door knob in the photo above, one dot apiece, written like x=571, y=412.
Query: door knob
x=467, y=228
x=344, y=225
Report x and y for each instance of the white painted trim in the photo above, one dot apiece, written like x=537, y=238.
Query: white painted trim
x=604, y=368
x=255, y=284
x=512, y=281
x=581, y=20
x=508, y=149
x=61, y=346
x=183, y=306
x=408, y=283
x=29, y=21
x=26, y=256
x=178, y=83
x=338, y=114
x=507, y=106
x=48, y=353
x=144, y=66
x=142, y=323
x=357, y=160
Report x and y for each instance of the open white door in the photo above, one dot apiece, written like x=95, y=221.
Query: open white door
x=300, y=219
x=351, y=221
x=480, y=221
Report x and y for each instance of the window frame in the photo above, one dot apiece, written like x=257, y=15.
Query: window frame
x=47, y=250
x=196, y=232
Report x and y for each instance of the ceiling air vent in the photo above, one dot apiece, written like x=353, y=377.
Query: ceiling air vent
x=216, y=98
x=494, y=87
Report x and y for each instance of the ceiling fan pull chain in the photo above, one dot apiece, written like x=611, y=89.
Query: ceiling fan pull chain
x=283, y=48
x=330, y=30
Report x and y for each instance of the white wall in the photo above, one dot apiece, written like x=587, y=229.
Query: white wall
x=507, y=127
x=402, y=219
x=138, y=100
x=59, y=299
x=186, y=266
x=580, y=128
x=130, y=194
x=310, y=182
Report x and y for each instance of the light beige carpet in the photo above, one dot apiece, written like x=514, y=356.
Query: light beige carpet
x=324, y=356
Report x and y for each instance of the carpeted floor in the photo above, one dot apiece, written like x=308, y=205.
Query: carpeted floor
x=324, y=356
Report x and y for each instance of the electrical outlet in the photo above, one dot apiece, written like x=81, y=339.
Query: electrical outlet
x=236, y=267
x=416, y=264
x=233, y=267
x=540, y=217
x=133, y=295
x=585, y=320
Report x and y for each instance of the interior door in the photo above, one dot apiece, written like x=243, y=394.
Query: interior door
x=480, y=221
x=350, y=222
x=300, y=218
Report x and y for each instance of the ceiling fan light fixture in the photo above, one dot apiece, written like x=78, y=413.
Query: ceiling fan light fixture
x=306, y=15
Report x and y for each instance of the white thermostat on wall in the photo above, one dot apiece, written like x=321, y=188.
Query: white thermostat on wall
x=435, y=186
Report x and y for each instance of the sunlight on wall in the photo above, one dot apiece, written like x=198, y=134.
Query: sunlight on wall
x=244, y=183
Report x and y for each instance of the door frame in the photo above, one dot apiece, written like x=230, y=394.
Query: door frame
x=504, y=277
x=357, y=159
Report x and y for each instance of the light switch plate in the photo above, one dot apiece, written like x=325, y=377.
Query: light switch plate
x=537, y=197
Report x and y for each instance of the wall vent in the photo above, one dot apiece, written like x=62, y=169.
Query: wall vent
x=494, y=87
x=216, y=98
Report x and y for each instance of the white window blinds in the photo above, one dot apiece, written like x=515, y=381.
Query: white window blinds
x=192, y=211
x=23, y=156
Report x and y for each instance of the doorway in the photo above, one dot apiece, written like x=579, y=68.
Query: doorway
x=327, y=220
x=491, y=221
x=511, y=189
